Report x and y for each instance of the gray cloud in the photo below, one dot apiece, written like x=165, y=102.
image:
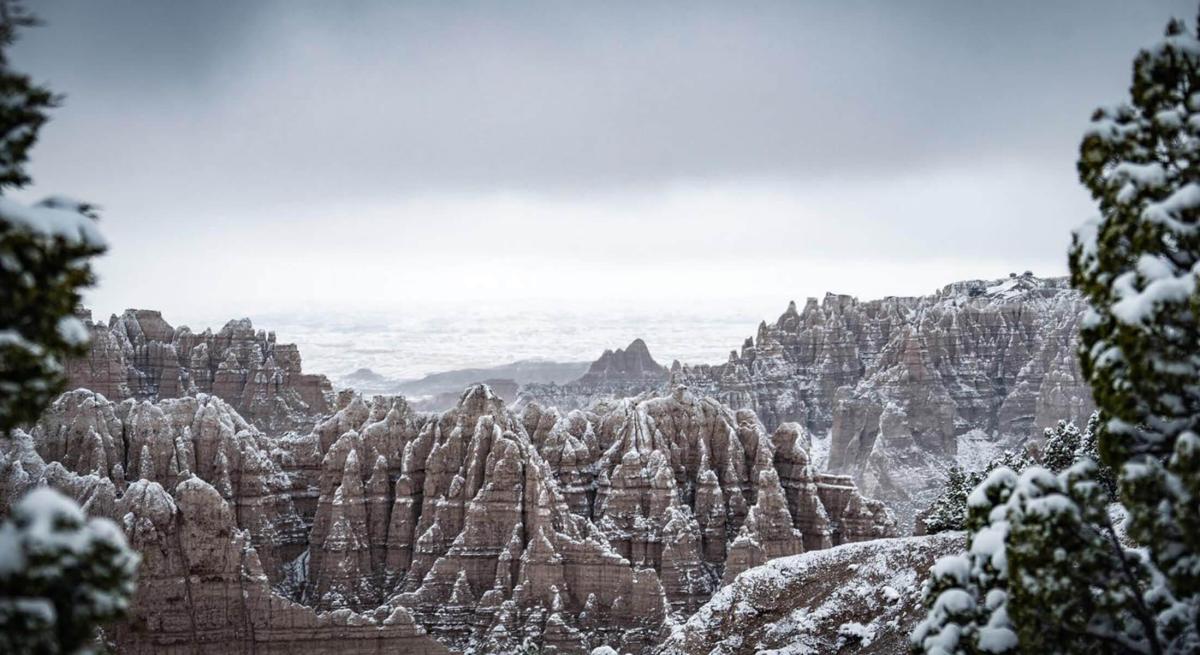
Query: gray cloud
x=249, y=119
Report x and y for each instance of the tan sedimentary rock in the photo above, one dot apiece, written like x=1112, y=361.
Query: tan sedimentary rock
x=583, y=528
x=489, y=527
x=897, y=382
x=852, y=516
x=459, y=519
x=698, y=492
x=201, y=585
x=139, y=355
x=798, y=479
x=169, y=441
x=201, y=589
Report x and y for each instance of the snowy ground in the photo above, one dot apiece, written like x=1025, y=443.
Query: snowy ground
x=976, y=449
x=820, y=450
x=856, y=598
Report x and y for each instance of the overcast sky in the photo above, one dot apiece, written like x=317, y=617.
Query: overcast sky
x=277, y=156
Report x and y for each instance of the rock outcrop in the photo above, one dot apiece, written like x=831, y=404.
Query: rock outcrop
x=139, y=355
x=856, y=598
x=480, y=527
x=897, y=382
x=202, y=583
x=166, y=443
x=696, y=491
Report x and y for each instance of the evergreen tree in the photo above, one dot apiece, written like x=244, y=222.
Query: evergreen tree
x=949, y=510
x=1089, y=449
x=1062, y=580
x=23, y=111
x=1017, y=459
x=1072, y=586
x=966, y=594
x=44, y=253
x=1065, y=446
x=1045, y=572
x=1062, y=442
x=1137, y=266
x=60, y=574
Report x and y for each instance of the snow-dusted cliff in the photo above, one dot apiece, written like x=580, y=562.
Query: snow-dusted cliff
x=899, y=383
x=486, y=526
x=139, y=355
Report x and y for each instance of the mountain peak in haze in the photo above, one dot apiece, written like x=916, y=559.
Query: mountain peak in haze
x=630, y=363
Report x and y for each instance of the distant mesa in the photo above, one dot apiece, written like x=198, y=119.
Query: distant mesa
x=364, y=375
x=443, y=388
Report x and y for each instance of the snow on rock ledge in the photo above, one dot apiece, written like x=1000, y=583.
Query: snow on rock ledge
x=855, y=598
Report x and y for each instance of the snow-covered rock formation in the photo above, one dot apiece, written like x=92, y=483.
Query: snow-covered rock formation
x=587, y=528
x=897, y=382
x=139, y=355
x=896, y=390
x=489, y=528
x=200, y=498
x=856, y=598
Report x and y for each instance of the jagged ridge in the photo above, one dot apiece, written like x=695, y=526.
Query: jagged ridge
x=589, y=528
x=139, y=355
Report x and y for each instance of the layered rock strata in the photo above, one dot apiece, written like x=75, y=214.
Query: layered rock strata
x=204, y=585
x=139, y=355
x=167, y=442
x=697, y=491
x=898, y=382
x=492, y=530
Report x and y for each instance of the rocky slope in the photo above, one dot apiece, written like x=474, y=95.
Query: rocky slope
x=898, y=382
x=139, y=355
x=487, y=527
x=858, y=598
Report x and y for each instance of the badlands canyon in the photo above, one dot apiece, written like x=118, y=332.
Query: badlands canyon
x=688, y=508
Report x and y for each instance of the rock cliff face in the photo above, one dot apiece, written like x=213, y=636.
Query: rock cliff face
x=682, y=480
x=898, y=382
x=203, y=503
x=586, y=528
x=479, y=527
x=139, y=355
